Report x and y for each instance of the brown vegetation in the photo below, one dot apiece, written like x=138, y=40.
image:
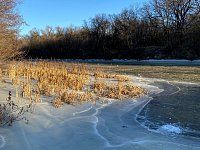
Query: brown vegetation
x=69, y=83
x=10, y=22
x=172, y=73
x=11, y=112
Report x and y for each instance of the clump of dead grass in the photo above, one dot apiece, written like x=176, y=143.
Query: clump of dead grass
x=117, y=90
x=69, y=84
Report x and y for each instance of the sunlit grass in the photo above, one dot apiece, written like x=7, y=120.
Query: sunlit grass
x=172, y=73
x=68, y=82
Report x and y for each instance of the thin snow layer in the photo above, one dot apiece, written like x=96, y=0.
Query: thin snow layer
x=108, y=126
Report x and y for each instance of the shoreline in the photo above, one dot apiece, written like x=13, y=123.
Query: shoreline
x=111, y=125
x=150, y=62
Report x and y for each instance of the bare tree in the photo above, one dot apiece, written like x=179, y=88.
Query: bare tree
x=10, y=22
x=178, y=14
x=173, y=18
x=125, y=26
x=100, y=29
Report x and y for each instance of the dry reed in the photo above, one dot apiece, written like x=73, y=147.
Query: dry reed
x=68, y=83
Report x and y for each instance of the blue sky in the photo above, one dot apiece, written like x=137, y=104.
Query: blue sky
x=40, y=13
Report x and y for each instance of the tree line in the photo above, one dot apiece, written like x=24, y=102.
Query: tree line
x=160, y=29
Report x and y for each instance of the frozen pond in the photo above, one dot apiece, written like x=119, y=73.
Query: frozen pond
x=176, y=110
x=140, y=124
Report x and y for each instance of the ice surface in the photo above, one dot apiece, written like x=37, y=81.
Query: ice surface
x=182, y=62
x=110, y=126
x=169, y=128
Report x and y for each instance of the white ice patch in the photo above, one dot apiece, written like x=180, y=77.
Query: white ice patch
x=80, y=112
x=2, y=141
x=170, y=129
